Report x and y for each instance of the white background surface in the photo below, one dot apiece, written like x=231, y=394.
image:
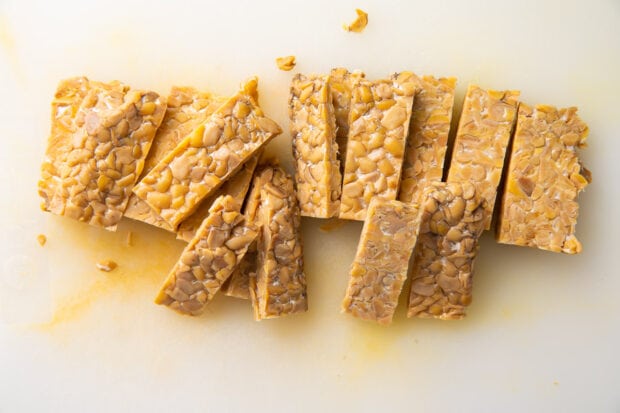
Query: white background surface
x=542, y=334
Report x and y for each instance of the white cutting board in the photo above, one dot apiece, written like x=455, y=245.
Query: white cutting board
x=542, y=333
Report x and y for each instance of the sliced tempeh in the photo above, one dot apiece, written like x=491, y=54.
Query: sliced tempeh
x=237, y=187
x=428, y=136
x=539, y=207
x=101, y=133
x=187, y=108
x=313, y=130
x=378, y=128
x=207, y=157
x=279, y=287
x=481, y=141
x=341, y=82
x=382, y=260
x=453, y=217
x=208, y=260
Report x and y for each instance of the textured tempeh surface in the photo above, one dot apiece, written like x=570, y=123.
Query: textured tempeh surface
x=100, y=135
x=539, y=207
x=380, y=266
x=453, y=217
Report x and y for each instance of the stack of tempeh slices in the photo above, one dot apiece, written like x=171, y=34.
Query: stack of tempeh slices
x=375, y=150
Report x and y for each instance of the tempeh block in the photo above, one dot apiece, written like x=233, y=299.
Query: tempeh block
x=187, y=108
x=207, y=157
x=425, y=152
x=279, y=287
x=208, y=260
x=237, y=187
x=539, y=207
x=382, y=260
x=378, y=128
x=101, y=133
x=453, y=218
x=481, y=141
x=313, y=130
x=341, y=82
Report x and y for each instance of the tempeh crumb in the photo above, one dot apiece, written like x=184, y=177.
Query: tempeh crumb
x=359, y=24
x=106, y=265
x=286, y=63
x=41, y=239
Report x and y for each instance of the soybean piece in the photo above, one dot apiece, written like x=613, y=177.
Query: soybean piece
x=100, y=135
x=313, y=130
x=208, y=260
x=207, y=157
x=382, y=260
x=359, y=24
x=187, y=108
x=428, y=136
x=341, y=82
x=286, y=63
x=481, y=141
x=237, y=187
x=378, y=128
x=279, y=286
x=453, y=217
x=539, y=206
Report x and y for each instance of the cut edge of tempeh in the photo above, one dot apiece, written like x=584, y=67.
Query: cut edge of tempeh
x=208, y=260
x=381, y=262
x=208, y=156
x=279, y=286
x=378, y=128
x=451, y=222
x=313, y=131
x=429, y=128
x=539, y=206
x=482, y=139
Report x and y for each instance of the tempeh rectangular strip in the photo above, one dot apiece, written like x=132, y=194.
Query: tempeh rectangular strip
x=187, y=108
x=238, y=285
x=100, y=135
x=208, y=156
x=237, y=187
x=481, y=141
x=208, y=260
x=428, y=136
x=313, y=130
x=382, y=260
x=453, y=218
x=279, y=287
x=378, y=128
x=539, y=207
x=341, y=82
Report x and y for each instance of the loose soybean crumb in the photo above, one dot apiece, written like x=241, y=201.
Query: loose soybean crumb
x=106, y=265
x=286, y=63
x=41, y=239
x=359, y=24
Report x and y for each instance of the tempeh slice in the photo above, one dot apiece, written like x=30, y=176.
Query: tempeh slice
x=481, y=141
x=207, y=157
x=378, y=128
x=313, y=130
x=237, y=187
x=539, y=207
x=341, y=82
x=187, y=108
x=453, y=217
x=279, y=287
x=208, y=260
x=382, y=260
x=428, y=136
x=101, y=133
